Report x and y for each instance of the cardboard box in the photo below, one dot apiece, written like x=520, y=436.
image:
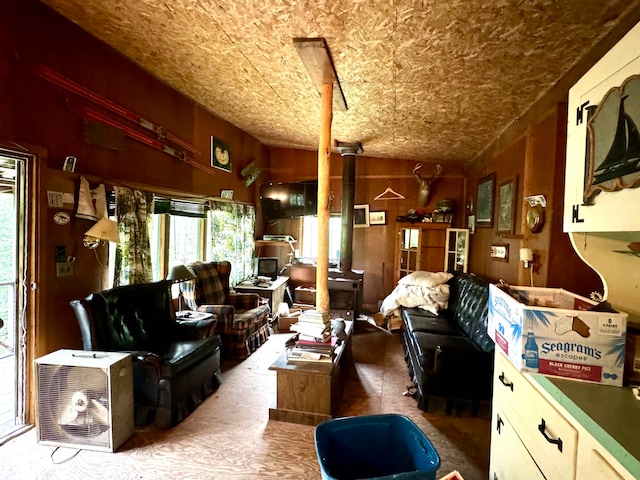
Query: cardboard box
x=550, y=331
x=305, y=295
x=632, y=358
x=285, y=321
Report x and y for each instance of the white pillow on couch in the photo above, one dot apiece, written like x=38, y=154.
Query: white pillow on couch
x=425, y=279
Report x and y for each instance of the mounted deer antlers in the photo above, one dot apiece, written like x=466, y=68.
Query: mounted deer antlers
x=425, y=183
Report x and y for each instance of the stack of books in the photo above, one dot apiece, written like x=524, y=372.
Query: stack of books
x=313, y=323
x=314, y=342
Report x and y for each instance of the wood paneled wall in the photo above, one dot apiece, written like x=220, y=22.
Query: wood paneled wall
x=537, y=159
x=374, y=247
x=34, y=113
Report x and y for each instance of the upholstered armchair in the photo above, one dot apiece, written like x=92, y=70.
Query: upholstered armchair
x=176, y=364
x=243, y=324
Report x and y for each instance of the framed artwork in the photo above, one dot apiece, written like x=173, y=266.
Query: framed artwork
x=484, y=205
x=507, y=204
x=612, y=138
x=360, y=216
x=378, y=218
x=220, y=155
x=500, y=252
x=69, y=164
x=226, y=194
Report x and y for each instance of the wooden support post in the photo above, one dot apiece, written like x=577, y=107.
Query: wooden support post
x=324, y=156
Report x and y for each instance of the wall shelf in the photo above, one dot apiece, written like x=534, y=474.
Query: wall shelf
x=275, y=243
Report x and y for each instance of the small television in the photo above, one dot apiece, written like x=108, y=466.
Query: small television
x=289, y=200
x=266, y=267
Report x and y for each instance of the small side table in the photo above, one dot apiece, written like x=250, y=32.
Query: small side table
x=274, y=292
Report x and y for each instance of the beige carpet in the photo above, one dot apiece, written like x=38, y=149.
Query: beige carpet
x=230, y=435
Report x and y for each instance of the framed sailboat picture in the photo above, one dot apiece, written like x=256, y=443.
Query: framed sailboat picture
x=612, y=160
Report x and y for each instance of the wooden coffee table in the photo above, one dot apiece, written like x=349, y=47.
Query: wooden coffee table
x=308, y=393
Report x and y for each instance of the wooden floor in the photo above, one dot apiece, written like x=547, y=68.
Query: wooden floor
x=230, y=435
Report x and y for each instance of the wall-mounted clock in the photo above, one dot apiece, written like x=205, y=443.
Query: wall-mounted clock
x=535, y=219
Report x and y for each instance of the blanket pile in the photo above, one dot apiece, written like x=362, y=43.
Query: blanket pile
x=426, y=290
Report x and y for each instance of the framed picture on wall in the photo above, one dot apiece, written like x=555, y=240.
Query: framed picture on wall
x=220, y=155
x=484, y=205
x=69, y=164
x=360, y=216
x=378, y=218
x=507, y=204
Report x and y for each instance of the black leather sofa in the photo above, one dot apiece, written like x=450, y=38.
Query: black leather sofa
x=450, y=356
x=176, y=364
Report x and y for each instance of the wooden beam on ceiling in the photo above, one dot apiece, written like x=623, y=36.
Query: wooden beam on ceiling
x=315, y=55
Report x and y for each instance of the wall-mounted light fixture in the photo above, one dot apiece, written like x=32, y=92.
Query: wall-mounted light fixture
x=104, y=230
x=526, y=256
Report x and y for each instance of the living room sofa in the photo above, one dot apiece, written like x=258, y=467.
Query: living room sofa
x=176, y=364
x=450, y=355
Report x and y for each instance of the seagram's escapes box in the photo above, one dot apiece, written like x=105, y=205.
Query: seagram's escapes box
x=551, y=331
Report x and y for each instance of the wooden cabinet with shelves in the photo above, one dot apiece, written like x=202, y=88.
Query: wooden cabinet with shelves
x=606, y=98
x=420, y=247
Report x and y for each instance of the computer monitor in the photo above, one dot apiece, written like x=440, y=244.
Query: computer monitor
x=266, y=267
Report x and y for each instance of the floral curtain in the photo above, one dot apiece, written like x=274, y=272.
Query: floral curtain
x=232, y=230
x=133, y=254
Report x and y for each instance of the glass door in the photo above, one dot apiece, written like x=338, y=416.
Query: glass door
x=409, y=251
x=456, y=257
x=13, y=228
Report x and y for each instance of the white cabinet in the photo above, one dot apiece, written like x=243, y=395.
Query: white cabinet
x=605, y=157
x=533, y=436
x=549, y=439
x=457, y=250
x=509, y=457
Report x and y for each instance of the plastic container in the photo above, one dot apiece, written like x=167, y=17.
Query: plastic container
x=387, y=446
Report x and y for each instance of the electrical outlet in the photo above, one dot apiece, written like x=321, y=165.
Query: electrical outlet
x=64, y=269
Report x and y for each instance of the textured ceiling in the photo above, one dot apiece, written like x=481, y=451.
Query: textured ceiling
x=423, y=80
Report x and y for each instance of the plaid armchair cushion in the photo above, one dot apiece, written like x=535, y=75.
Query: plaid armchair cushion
x=208, y=288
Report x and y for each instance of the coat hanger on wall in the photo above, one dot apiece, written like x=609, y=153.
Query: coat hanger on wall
x=395, y=195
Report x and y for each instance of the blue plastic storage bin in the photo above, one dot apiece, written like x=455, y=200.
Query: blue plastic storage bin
x=380, y=447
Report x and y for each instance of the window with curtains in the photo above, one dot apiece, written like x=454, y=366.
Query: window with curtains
x=180, y=232
x=231, y=227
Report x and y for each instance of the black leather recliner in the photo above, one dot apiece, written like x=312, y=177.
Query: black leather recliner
x=176, y=364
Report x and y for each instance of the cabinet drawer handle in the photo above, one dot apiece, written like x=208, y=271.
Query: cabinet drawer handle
x=499, y=423
x=504, y=382
x=543, y=430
